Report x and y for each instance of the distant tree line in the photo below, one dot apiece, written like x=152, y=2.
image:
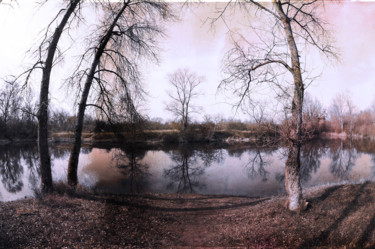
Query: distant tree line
x=17, y=112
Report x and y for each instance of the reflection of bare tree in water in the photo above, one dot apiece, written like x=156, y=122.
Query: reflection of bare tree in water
x=310, y=159
x=185, y=169
x=11, y=170
x=13, y=160
x=31, y=160
x=342, y=160
x=129, y=161
x=210, y=155
x=256, y=165
x=58, y=153
x=236, y=152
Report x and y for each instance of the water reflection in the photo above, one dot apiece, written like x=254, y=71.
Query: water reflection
x=233, y=170
x=58, y=152
x=15, y=161
x=183, y=175
x=32, y=161
x=342, y=160
x=237, y=151
x=256, y=165
x=293, y=187
x=311, y=155
x=11, y=171
x=135, y=172
x=209, y=155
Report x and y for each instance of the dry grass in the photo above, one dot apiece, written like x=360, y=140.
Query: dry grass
x=167, y=136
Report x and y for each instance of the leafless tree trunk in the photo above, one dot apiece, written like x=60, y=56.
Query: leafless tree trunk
x=73, y=160
x=184, y=86
x=256, y=65
x=45, y=60
x=295, y=201
x=130, y=33
x=44, y=156
x=299, y=88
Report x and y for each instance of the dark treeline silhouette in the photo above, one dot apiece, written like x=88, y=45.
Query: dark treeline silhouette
x=23, y=125
x=17, y=112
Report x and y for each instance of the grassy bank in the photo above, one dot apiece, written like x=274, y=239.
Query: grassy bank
x=167, y=136
x=337, y=217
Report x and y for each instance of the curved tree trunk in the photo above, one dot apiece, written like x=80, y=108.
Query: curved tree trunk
x=74, y=156
x=44, y=157
x=293, y=163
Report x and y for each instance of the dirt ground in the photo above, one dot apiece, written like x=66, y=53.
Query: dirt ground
x=337, y=217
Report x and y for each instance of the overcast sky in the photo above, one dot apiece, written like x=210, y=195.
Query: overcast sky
x=192, y=44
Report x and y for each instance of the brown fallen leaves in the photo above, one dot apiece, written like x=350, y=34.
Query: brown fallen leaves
x=337, y=217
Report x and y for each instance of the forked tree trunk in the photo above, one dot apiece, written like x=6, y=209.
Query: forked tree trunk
x=74, y=156
x=44, y=157
x=293, y=163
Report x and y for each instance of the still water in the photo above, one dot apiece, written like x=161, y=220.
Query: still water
x=233, y=170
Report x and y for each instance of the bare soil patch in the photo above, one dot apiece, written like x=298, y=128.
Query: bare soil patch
x=337, y=217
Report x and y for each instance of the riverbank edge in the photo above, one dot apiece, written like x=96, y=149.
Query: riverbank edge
x=338, y=216
x=154, y=137
x=163, y=137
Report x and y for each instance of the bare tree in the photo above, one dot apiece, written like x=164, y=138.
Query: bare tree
x=337, y=110
x=313, y=116
x=352, y=113
x=17, y=113
x=127, y=34
x=343, y=111
x=274, y=59
x=257, y=111
x=184, y=85
x=10, y=101
x=45, y=60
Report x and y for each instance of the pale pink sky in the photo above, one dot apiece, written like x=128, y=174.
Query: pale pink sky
x=193, y=45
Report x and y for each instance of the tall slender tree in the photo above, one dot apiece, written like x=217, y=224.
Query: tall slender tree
x=127, y=35
x=184, y=89
x=276, y=52
x=45, y=60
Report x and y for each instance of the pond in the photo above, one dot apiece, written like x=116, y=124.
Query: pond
x=242, y=170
